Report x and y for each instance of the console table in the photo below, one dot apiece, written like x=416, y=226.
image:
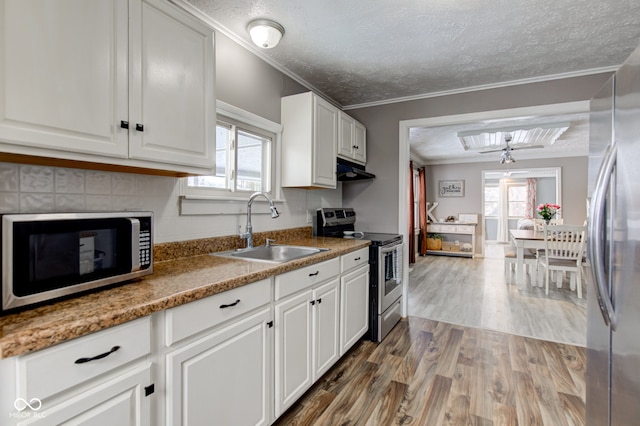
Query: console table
x=454, y=231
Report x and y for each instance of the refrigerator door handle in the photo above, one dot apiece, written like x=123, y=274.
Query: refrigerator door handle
x=595, y=231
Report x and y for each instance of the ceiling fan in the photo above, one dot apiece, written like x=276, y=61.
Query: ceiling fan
x=506, y=151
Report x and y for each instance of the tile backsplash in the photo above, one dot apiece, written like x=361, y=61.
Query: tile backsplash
x=26, y=188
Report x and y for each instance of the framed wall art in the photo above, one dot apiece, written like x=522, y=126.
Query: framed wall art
x=451, y=188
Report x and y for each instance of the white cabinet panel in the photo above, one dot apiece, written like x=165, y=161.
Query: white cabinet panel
x=112, y=82
x=188, y=319
x=63, y=82
x=171, y=65
x=120, y=401
x=55, y=369
x=223, y=378
x=326, y=328
x=293, y=354
x=354, y=307
x=309, y=138
x=308, y=276
x=352, y=139
x=324, y=143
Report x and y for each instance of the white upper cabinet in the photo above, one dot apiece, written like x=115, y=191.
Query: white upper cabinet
x=64, y=76
x=171, y=86
x=309, y=138
x=352, y=139
x=76, y=74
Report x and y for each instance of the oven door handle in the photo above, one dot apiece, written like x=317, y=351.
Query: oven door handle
x=390, y=248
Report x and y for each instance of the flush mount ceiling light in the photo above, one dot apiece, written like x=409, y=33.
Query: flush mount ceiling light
x=521, y=137
x=264, y=33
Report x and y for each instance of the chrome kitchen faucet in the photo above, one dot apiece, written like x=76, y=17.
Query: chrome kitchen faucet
x=249, y=230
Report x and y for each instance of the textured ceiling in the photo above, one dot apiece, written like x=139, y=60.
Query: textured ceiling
x=363, y=52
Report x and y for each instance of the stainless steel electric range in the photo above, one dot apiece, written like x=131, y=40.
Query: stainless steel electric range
x=385, y=265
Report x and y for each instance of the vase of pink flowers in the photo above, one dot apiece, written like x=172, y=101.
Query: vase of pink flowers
x=547, y=211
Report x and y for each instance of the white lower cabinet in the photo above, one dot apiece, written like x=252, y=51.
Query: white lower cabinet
x=354, y=307
x=120, y=401
x=307, y=340
x=104, y=378
x=240, y=357
x=223, y=378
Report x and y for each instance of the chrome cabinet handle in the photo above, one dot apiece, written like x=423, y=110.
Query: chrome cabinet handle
x=595, y=230
x=93, y=358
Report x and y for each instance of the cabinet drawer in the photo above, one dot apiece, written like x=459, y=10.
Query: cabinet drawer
x=49, y=371
x=435, y=228
x=464, y=229
x=353, y=260
x=294, y=281
x=188, y=319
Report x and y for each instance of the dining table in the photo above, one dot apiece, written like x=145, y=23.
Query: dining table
x=524, y=239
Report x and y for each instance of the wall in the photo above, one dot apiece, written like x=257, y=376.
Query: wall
x=377, y=201
x=574, y=186
x=242, y=80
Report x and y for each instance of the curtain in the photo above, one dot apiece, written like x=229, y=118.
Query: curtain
x=503, y=212
x=423, y=211
x=530, y=209
x=412, y=235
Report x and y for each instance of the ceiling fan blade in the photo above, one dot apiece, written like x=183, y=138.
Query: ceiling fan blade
x=526, y=147
x=492, y=150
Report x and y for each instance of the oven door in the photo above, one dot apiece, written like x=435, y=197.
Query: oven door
x=389, y=275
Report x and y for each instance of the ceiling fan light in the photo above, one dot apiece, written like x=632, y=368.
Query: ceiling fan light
x=264, y=33
x=507, y=158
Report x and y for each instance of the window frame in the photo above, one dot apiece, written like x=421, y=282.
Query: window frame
x=517, y=183
x=252, y=123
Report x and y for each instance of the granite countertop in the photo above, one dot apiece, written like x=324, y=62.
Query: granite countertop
x=173, y=283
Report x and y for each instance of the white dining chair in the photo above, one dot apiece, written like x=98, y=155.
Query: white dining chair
x=530, y=262
x=564, y=249
x=538, y=224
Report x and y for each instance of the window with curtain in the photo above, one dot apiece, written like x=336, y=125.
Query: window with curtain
x=491, y=198
x=516, y=200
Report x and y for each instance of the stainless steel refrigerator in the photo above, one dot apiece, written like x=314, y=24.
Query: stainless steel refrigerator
x=613, y=252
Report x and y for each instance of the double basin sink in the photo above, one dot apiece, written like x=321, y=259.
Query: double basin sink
x=272, y=253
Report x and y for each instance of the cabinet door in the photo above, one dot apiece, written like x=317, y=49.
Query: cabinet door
x=171, y=86
x=223, y=378
x=354, y=307
x=63, y=79
x=326, y=329
x=293, y=349
x=346, y=142
x=325, y=136
x=360, y=139
x=119, y=401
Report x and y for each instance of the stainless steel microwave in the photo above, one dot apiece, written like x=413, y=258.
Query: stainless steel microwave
x=52, y=255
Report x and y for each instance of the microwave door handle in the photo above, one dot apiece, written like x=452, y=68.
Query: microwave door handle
x=595, y=235
x=135, y=244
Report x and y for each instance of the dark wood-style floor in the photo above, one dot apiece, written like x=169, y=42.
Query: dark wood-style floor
x=433, y=373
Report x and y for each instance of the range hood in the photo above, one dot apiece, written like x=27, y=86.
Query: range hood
x=348, y=171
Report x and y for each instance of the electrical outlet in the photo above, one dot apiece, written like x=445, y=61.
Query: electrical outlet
x=309, y=217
